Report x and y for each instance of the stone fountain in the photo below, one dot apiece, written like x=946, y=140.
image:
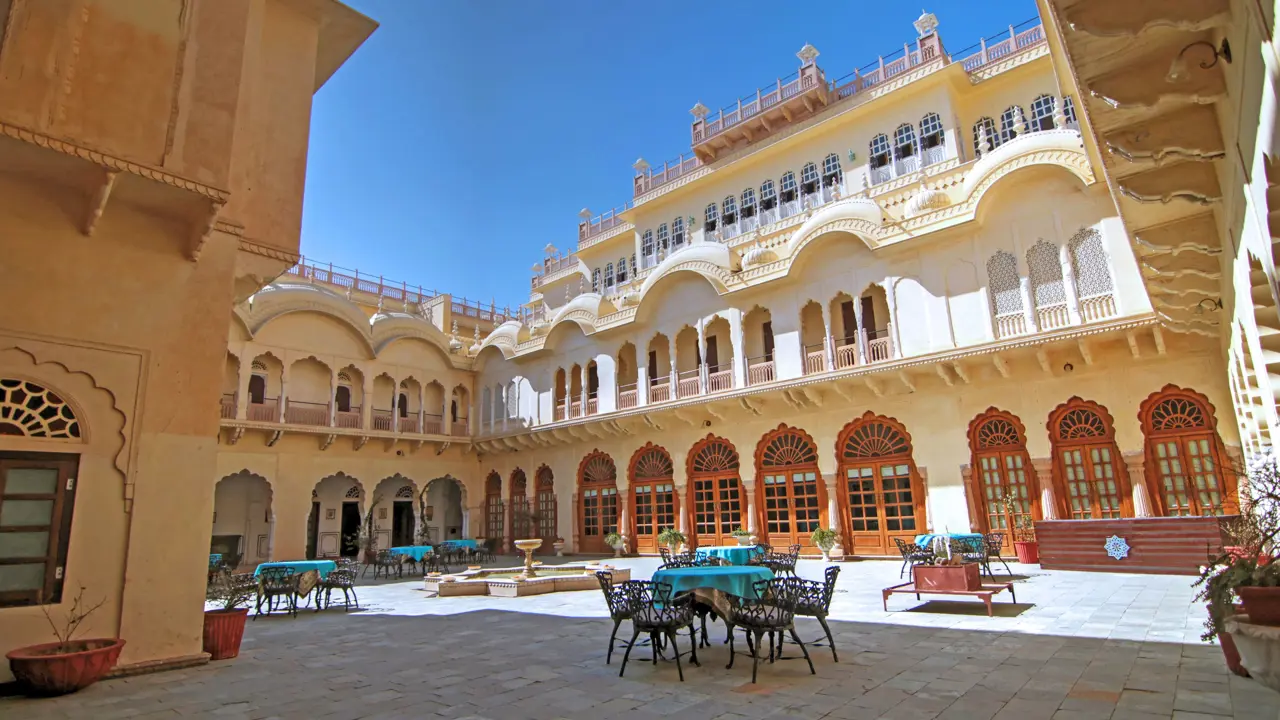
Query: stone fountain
x=527, y=547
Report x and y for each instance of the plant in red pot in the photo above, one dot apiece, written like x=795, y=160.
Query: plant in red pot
x=224, y=626
x=1024, y=532
x=69, y=664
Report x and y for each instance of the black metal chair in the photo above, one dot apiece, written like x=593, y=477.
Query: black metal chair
x=616, y=596
x=343, y=579
x=779, y=563
x=814, y=601
x=665, y=553
x=995, y=543
x=773, y=610
x=971, y=550
x=655, y=612
x=275, y=584
x=912, y=555
x=386, y=561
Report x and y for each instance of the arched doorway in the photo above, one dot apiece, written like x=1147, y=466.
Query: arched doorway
x=789, y=487
x=548, y=507
x=653, y=490
x=337, y=509
x=717, y=491
x=440, y=510
x=597, y=500
x=1186, y=463
x=521, y=523
x=1001, y=470
x=395, y=519
x=883, y=494
x=243, y=520
x=1088, y=473
x=494, y=513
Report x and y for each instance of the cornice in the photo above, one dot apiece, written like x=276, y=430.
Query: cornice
x=1009, y=62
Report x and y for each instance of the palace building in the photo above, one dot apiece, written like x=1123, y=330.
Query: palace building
x=953, y=289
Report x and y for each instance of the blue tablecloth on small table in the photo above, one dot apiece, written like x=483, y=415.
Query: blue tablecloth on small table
x=214, y=559
x=732, y=579
x=417, y=552
x=735, y=554
x=323, y=567
x=926, y=540
x=468, y=543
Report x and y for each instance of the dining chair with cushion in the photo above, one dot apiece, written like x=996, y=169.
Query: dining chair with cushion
x=655, y=612
x=344, y=580
x=277, y=584
x=995, y=543
x=912, y=555
x=772, y=611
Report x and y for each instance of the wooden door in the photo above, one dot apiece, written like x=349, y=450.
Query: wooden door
x=717, y=509
x=1188, y=475
x=655, y=511
x=1001, y=475
x=598, y=501
x=882, y=505
x=794, y=504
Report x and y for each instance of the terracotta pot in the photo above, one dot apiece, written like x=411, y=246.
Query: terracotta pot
x=223, y=631
x=45, y=670
x=947, y=577
x=1261, y=604
x=1028, y=551
x=1229, y=651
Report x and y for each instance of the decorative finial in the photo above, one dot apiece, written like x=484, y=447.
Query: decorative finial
x=807, y=55
x=1059, y=113
x=549, y=249
x=926, y=24
x=699, y=111
x=1019, y=124
x=454, y=343
x=984, y=140
x=641, y=166
x=537, y=267
x=475, y=346
x=585, y=214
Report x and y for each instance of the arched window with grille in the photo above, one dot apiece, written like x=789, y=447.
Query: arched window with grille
x=904, y=141
x=729, y=210
x=880, y=154
x=993, y=137
x=595, y=280
x=608, y=276
x=1069, y=110
x=597, y=500
x=1091, y=273
x=882, y=498
x=748, y=203
x=718, y=498
x=663, y=241
x=1010, y=120
x=677, y=232
x=711, y=216
x=931, y=132
x=622, y=269
x=653, y=495
x=646, y=246
x=831, y=172
x=788, y=187
x=1005, y=289
x=1003, y=493
x=494, y=512
x=548, y=507
x=789, y=486
x=1044, y=267
x=1088, y=470
x=809, y=178
x=768, y=195
x=518, y=494
x=1186, y=467
x=1042, y=113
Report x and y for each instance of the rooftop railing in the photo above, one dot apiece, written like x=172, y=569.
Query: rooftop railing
x=592, y=226
x=377, y=285
x=1019, y=37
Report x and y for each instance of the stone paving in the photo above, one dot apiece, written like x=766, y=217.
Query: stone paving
x=1077, y=645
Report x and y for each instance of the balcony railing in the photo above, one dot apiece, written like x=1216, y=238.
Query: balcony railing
x=433, y=424
x=687, y=383
x=660, y=391
x=720, y=381
x=847, y=356
x=1010, y=325
x=349, y=419
x=229, y=406
x=593, y=405
x=1097, y=307
x=575, y=409
x=603, y=222
x=879, y=344
x=627, y=396
x=297, y=412
x=1052, y=317
x=815, y=360
x=558, y=412
x=760, y=370
x=265, y=411
x=1019, y=37
x=383, y=420
x=379, y=286
x=459, y=427
x=407, y=424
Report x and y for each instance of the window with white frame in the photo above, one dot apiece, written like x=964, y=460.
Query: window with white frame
x=646, y=244
x=993, y=138
x=1045, y=271
x=595, y=285
x=831, y=174
x=931, y=133
x=1042, y=113
x=788, y=186
x=1069, y=109
x=880, y=151
x=729, y=210
x=622, y=270
x=711, y=218
x=663, y=241
x=677, y=232
x=768, y=195
x=1003, y=284
x=904, y=141
x=608, y=275
x=1010, y=120
x=809, y=178
x=748, y=203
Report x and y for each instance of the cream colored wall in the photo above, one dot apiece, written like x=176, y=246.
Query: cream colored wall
x=242, y=506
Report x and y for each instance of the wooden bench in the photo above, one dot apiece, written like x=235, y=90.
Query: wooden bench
x=986, y=593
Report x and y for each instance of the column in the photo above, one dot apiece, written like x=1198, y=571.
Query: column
x=749, y=487
x=503, y=403
x=395, y=405
x=1044, y=477
x=422, y=408
x=702, y=357
x=737, y=338
x=333, y=396
x=586, y=391
x=828, y=352
x=471, y=418
x=680, y=480
x=833, y=513
x=1135, y=463
x=1069, y=285
x=860, y=336
x=242, y=385
x=624, y=516
x=673, y=373
x=1028, y=303
x=531, y=502
x=366, y=399
x=284, y=394
x=446, y=411
x=642, y=381
x=890, y=299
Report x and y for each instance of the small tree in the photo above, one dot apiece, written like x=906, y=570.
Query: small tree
x=66, y=629
x=231, y=590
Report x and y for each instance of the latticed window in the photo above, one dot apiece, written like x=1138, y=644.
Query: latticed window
x=595, y=281
x=521, y=527
x=904, y=141
x=598, y=478
x=768, y=195
x=677, y=232
x=1042, y=113
x=792, y=505
x=1183, y=445
x=1046, y=274
x=1089, y=264
x=1084, y=446
x=880, y=154
x=748, y=203
x=717, y=491
x=831, y=173
x=880, y=497
x=547, y=506
x=993, y=137
x=513, y=400
x=1010, y=120
x=729, y=210
x=711, y=217
x=788, y=186
x=1000, y=455
x=30, y=410
x=809, y=178
x=931, y=133
x=1069, y=109
x=646, y=243
x=1003, y=283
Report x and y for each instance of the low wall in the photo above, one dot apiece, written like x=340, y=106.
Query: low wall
x=1176, y=545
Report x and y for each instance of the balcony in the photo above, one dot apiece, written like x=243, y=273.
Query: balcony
x=297, y=412
x=265, y=411
x=760, y=370
x=373, y=288
x=349, y=419
x=228, y=408
x=592, y=230
x=786, y=101
x=627, y=396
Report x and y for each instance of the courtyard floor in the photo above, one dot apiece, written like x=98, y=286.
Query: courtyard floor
x=1077, y=645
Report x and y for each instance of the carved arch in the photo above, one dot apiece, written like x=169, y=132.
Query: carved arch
x=597, y=468
x=1176, y=414
x=873, y=436
x=650, y=462
x=996, y=429
x=784, y=447
x=713, y=454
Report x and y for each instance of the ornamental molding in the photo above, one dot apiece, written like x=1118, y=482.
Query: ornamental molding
x=266, y=251
x=606, y=235
x=1003, y=65
x=111, y=162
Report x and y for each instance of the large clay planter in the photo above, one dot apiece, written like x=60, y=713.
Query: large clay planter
x=1229, y=651
x=1028, y=551
x=43, y=670
x=1261, y=604
x=1259, y=649
x=947, y=577
x=223, y=631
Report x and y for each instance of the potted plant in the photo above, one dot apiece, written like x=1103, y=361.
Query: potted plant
x=1024, y=532
x=945, y=575
x=68, y=665
x=224, y=626
x=824, y=539
x=742, y=535
x=672, y=538
x=615, y=541
x=558, y=546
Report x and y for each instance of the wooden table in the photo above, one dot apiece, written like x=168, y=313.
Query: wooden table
x=985, y=594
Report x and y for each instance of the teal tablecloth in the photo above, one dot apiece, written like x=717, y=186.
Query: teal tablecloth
x=417, y=552
x=214, y=559
x=735, y=554
x=926, y=540
x=461, y=543
x=323, y=567
x=734, y=579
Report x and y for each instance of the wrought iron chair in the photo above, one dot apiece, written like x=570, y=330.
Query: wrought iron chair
x=814, y=600
x=434, y=562
x=665, y=553
x=678, y=561
x=617, y=597
x=971, y=550
x=342, y=579
x=995, y=543
x=773, y=610
x=654, y=611
x=276, y=584
x=386, y=561
x=779, y=563
x=912, y=555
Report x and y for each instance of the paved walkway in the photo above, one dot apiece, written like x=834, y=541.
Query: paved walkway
x=1078, y=645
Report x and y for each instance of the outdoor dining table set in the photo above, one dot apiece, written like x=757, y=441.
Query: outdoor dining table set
x=287, y=582
x=749, y=596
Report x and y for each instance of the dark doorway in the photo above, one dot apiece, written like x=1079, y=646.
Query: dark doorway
x=257, y=389
x=313, y=530
x=850, y=322
x=402, y=523
x=653, y=364
x=344, y=398
x=767, y=329
x=350, y=529
x=869, y=316
x=404, y=405
x=593, y=381
x=713, y=355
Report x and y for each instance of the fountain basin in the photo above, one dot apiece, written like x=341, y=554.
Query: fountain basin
x=503, y=582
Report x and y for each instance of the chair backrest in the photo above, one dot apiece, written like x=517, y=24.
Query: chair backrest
x=829, y=585
x=774, y=604
x=967, y=546
x=677, y=562
x=794, y=551
x=385, y=557
x=995, y=543
x=665, y=553
x=342, y=577
x=276, y=579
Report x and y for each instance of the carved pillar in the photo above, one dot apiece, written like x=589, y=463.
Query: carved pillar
x=890, y=299
x=284, y=394
x=702, y=357
x=833, y=513
x=1044, y=478
x=447, y=412
x=242, y=385
x=624, y=516
x=333, y=396
x=642, y=382
x=749, y=487
x=737, y=338
x=422, y=408
x=860, y=335
x=976, y=521
x=1069, y=285
x=586, y=390
x=1135, y=463
x=1028, y=303
x=828, y=352
x=680, y=479
x=366, y=399
x=395, y=405
x=504, y=403
x=673, y=375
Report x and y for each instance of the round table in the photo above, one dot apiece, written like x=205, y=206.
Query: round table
x=738, y=580
x=417, y=552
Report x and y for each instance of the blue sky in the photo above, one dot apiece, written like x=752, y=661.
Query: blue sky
x=465, y=135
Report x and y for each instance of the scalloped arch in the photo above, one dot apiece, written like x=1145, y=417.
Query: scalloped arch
x=1052, y=148
x=860, y=217
x=711, y=261
x=993, y=425
x=385, y=329
x=278, y=300
x=786, y=446
x=653, y=461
